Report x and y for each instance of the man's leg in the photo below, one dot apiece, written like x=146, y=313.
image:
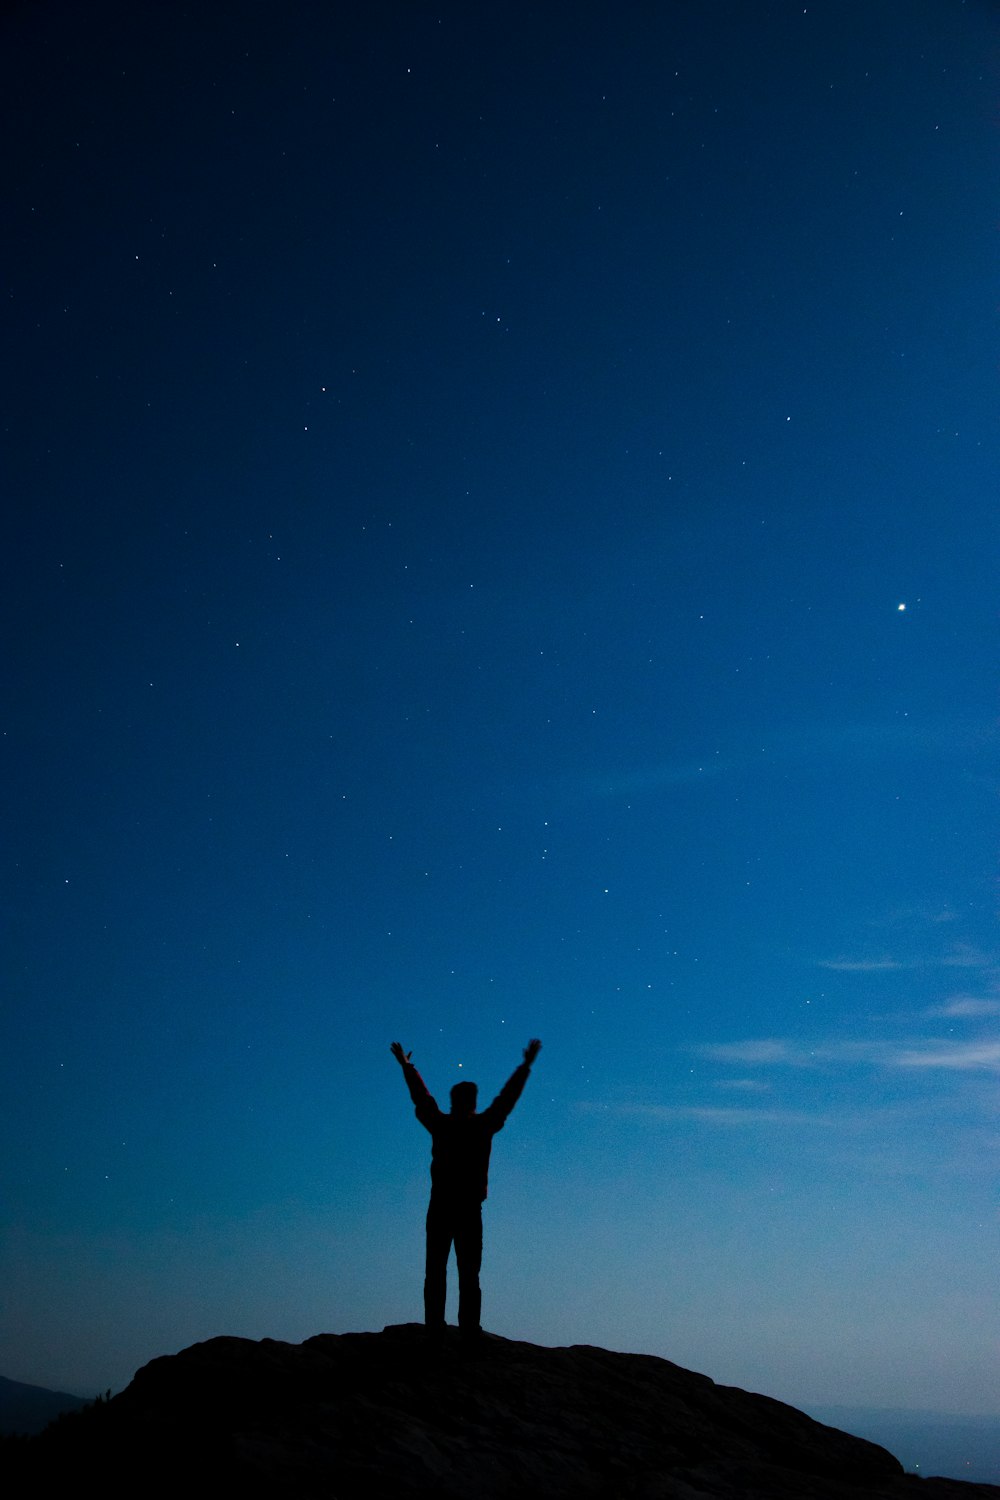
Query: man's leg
x=439, y=1236
x=469, y=1254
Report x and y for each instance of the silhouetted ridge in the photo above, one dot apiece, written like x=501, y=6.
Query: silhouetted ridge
x=400, y=1414
x=30, y=1408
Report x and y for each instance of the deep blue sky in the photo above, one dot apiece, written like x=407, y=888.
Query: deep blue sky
x=465, y=469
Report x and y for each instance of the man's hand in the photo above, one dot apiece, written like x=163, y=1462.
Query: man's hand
x=532, y=1050
x=401, y=1057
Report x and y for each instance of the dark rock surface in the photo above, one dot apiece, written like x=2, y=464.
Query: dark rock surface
x=398, y=1414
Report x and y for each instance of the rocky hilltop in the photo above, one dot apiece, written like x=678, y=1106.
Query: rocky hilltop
x=398, y=1414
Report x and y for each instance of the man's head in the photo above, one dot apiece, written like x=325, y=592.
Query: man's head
x=463, y=1099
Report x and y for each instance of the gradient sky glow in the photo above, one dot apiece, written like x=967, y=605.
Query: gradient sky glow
x=465, y=466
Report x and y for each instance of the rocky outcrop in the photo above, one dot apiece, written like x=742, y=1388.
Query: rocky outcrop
x=400, y=1414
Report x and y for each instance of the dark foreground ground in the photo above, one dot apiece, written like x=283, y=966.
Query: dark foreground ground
x=394, y=1414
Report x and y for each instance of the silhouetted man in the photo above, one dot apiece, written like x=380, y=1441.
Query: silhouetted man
x=460, y=1164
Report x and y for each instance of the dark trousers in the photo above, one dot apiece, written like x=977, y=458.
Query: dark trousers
x=461, y=1225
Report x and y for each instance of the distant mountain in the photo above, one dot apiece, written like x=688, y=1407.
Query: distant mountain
x=29, y=1408
x=401, y=1415
x=925, y=1442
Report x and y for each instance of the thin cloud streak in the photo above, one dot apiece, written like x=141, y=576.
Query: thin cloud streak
x=749, y=1085
x=963, y=1005
x=865, y=965
x=709, y=1115
x=968, y=958
x=775, y=1050
x=853, y=741
x=767, y=1050
x=975, y=1056
x=652, y=779
x=959, y=958
x=929, y=1052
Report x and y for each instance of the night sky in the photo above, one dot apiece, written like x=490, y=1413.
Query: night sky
x=500, y=540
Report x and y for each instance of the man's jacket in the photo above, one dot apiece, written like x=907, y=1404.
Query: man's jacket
x=460, y=1155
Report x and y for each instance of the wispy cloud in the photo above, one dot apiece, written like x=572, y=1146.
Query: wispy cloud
x=747, y=1085
x=709, y=1115
x=778, y=1051
x=647, y=779
x=961, y=956
x=865, y=965
x=964, y=956
x=974, y=1056
x=851, y=742
x=918, y=1052
x=767, y=1050
x=965, y=1005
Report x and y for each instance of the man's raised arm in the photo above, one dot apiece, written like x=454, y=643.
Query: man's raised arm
x=513, y=1088
x=423, y=1100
